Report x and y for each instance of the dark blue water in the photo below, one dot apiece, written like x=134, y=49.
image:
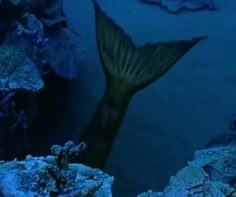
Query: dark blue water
x=167, y=121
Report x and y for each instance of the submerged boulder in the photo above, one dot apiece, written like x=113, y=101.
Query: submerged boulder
x=46, y=176
x=218, y=162
x=212, y=172
x=41, y=29
x=17, y=70
x=175, y=6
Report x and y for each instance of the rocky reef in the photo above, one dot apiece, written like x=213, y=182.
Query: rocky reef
x=41, y=31
x=17, y=71
x=32, y=34
x=53, y=176
x=212, y=172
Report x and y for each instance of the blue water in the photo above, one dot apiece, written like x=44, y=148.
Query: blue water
x=167, y=121
x=179, y=113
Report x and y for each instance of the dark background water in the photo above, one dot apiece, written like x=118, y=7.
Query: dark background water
x=168, y=120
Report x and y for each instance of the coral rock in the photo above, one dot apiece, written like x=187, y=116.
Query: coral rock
x=175, y=6
x=40, y=176
x=17, y=71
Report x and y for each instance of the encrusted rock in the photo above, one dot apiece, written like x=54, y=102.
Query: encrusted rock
x=17, y=71
x=175, y=6
x=212, y=172
x=41, y=176
x=218, y=162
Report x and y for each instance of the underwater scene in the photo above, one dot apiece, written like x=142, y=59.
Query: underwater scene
x=122, y=98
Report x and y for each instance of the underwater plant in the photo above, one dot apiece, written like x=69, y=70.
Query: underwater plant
x=128, y=69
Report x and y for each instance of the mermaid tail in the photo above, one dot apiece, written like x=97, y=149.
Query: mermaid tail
x=128, y=69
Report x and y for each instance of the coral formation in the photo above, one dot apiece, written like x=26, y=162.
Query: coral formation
x=43, y=176
x=41, y=28
x=17, y=71
x=32, y=33
x=212, y=172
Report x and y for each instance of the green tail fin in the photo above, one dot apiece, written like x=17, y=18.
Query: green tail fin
x=128, y=69
x=142, y=65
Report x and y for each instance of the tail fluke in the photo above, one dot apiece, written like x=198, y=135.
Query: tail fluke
x=139, y=66
x=127, y=68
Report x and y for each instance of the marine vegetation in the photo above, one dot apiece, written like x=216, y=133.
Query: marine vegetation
x=128, y=69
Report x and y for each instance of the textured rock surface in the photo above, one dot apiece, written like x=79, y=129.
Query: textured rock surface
x=17, y=71
x=40, y=176
x=211, y=173
x=218, y=162
x=42, y=30
x=178, y=5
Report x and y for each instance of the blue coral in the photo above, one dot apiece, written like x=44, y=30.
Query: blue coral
x=17, y=71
